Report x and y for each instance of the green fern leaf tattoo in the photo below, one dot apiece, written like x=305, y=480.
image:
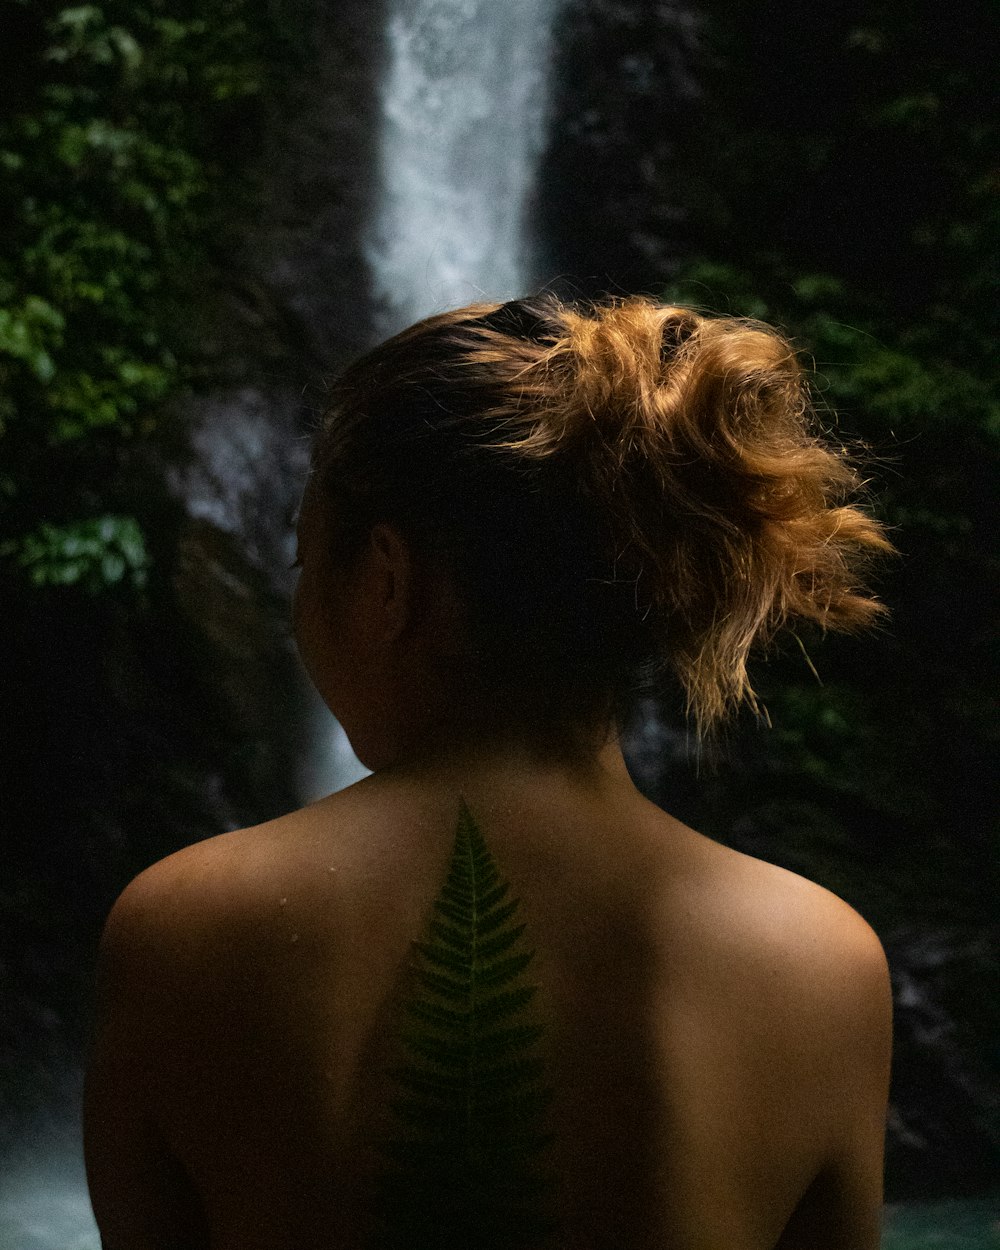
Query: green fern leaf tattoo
x=463, y=1170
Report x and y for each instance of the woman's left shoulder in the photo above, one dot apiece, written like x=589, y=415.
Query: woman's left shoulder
x=827, y=934
x=819, y=948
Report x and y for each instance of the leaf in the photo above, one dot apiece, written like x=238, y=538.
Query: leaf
x=463, y=1169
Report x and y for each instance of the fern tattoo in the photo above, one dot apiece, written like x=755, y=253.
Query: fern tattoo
x=463, y=1172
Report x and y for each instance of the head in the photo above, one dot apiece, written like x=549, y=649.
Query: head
x=540, y=511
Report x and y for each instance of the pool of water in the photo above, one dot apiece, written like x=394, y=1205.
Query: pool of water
x=959, y=1224
x=43, y=1193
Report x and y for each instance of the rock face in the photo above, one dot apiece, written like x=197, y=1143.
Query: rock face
x=944, y=1122
x=626, y=86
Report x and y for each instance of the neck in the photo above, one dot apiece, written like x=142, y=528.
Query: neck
x=586, y=757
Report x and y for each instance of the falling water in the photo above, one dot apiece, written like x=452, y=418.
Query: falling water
x=463, y=124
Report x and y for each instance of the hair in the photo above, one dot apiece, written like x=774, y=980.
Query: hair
x=622, y=490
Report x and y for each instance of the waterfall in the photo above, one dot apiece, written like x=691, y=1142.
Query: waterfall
x=462, y=127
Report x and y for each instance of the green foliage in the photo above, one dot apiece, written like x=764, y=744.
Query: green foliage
x=883, y=378
x=113, y=120
x=95, y=554
x=464, y=1171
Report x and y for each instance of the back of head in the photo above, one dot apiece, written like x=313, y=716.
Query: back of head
x=620, y=490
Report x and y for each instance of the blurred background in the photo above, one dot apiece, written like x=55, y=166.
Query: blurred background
x=206, y=208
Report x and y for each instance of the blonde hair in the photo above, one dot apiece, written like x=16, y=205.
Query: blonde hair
x=672, y=459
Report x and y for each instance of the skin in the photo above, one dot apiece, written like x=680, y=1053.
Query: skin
x=719, y=1028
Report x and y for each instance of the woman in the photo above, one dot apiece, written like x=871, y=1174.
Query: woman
x=518, y=517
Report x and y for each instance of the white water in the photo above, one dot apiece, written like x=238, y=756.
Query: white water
x=463, y=124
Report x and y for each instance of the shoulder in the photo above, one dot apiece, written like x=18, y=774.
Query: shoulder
x=819, y=1010
x=788, y=1006
x=202, y=907
x=798, y=967
x=812, y=927
x=807, y=938
x=153, y=933
x=217, y=875
x=161, y=902
x=161, y=974
x=830, y=951
x=190, y=909
x=809, y=975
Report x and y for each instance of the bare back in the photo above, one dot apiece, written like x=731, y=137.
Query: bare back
x=717, y=1036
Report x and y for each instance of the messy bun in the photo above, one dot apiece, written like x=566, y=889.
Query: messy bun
x=620, y=489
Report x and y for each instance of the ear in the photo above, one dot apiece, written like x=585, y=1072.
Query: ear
x=390, y=575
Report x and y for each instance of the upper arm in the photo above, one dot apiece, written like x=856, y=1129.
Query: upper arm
x=842, y=1209
x=141, y=1195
